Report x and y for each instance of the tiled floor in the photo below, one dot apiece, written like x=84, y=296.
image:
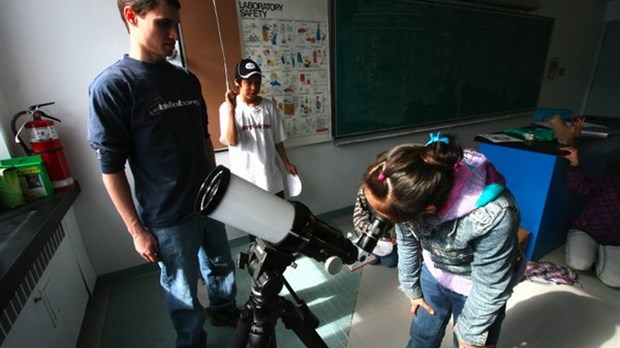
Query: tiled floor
x=129, y=311
x=539, y=315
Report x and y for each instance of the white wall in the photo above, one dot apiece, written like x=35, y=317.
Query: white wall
x=52, y=49
x=4, y=151
x=577, y=35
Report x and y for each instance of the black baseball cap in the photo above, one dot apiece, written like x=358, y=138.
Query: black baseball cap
x=246, y=68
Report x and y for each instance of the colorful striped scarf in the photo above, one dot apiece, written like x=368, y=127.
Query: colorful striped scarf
x=476, y=183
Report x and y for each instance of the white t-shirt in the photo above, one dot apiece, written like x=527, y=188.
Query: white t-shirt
x=259, y=129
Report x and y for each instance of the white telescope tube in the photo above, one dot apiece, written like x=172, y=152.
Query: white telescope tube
x=249, y=208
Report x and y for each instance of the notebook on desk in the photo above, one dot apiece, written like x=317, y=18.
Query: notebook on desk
x=499, y=138
x=589, y=129
x=596, y=130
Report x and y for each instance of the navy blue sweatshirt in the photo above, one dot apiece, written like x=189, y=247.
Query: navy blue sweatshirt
x=152, y=115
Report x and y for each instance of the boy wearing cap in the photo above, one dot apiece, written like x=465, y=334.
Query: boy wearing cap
x=254, y=132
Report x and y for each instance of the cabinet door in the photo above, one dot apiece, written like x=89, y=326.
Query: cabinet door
x=72, y=229
x=66, y=295
x=52, y=318
x=34, y=326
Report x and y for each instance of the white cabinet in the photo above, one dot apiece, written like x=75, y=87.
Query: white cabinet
x=72, y=229
x=52, y=316
x=33, y=326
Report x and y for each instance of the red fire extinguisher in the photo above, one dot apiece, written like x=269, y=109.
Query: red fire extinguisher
x=44, y=142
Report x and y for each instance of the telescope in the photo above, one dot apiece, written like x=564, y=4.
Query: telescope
x=282, y=229
x=288, y=226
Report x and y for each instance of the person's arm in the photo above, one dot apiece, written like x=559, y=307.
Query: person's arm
x=279, y=134
x=361, y=213
x=409, y=268
x=144, y=242
x=576, y=180
x=108, y=130
x=210, y=152
x=573, y=155
x=227, y=119
x=492, y=270
x=282, y=153
x=409, y=262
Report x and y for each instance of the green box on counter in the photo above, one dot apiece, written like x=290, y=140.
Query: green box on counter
x=10, y=190
x=32, y=176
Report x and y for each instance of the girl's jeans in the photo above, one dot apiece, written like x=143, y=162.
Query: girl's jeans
x=198, y=246
x=427, y=330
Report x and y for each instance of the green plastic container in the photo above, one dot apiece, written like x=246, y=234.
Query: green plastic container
x=11, y=194
x=32, y=176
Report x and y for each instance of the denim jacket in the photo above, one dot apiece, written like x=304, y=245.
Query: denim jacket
x=481, y=246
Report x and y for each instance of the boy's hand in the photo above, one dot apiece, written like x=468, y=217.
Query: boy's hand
x=231, y=97
x=291, y=168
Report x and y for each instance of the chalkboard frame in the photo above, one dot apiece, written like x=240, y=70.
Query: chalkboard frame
x=366, y=110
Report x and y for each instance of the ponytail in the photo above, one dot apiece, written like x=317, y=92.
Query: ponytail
x=410, y=177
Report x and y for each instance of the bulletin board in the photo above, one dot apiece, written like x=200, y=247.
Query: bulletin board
x=290, y=42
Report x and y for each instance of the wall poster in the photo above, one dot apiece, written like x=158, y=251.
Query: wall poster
x=290, y=42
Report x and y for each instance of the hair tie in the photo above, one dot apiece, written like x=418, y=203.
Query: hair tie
x=437, y=137
x=381, y=177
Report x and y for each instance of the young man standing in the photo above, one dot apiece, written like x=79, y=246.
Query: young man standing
x=254, y=132
x=150, y=113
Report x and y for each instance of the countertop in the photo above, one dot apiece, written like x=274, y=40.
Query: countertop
x=24, y=232
x=552, y=147
x=549, y=147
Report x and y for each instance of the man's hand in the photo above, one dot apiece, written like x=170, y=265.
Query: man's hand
x=144, y=242
x=146, y=245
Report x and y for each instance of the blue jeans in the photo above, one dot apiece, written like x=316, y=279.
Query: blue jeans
x=198, y=246
x=427, y=330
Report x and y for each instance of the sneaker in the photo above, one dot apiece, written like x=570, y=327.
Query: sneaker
x=224, y=317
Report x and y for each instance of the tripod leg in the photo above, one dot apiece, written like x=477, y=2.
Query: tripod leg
x=240, y=340
x=265, y=316
x=302, y=322
x=256, y=327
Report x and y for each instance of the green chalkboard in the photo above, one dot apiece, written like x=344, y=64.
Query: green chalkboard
x=405, y=64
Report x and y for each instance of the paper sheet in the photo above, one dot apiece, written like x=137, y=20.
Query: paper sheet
x=293, y=185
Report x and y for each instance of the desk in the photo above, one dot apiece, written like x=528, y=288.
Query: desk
x=535, y=175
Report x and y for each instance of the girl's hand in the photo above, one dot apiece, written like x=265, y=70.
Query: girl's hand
x=463, y=345
x=419, y=302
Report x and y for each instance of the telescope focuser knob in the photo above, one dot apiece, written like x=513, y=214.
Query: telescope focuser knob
x=333, y=265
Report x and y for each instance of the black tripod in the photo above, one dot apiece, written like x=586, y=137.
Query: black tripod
x=260, y=314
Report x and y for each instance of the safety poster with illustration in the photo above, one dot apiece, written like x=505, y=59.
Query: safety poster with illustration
x=290, y=42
